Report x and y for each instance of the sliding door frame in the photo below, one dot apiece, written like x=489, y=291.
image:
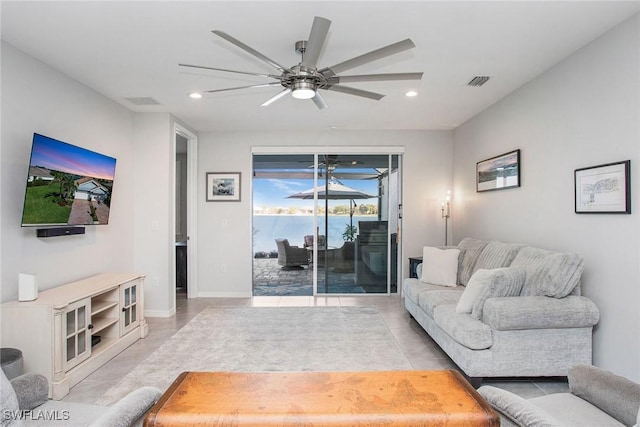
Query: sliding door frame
x=317, y=151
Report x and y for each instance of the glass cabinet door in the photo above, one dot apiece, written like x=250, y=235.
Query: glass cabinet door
x=129, y=302
x=77, y=333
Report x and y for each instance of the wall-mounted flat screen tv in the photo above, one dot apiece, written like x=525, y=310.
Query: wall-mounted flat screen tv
x=67, y=185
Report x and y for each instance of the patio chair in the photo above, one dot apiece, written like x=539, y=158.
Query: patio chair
x=291, y=256
x=308, y=241
x=342, y=258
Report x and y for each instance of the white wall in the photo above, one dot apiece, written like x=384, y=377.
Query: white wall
x=583, y=112
x=153, y=223
x=225, y=228
x=37, y=98
x=154, y=233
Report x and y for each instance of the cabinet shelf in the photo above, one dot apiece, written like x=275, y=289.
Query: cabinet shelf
x=98, y=306
x=102, y=346
x=101, y=323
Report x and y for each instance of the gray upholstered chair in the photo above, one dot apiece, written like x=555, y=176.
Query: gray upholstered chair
x=24, y=402
x=291, y=256
x=597, y=398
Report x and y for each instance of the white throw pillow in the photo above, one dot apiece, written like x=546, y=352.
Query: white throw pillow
x=439, y=266
x=477, y=282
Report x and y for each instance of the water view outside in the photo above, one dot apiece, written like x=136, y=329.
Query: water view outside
x=294, y=227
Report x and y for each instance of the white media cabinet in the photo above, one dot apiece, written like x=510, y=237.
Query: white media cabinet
x=70, y=331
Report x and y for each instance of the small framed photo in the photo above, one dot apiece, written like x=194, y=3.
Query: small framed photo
x=223, y=186
x=603, y=188
x=499, y=172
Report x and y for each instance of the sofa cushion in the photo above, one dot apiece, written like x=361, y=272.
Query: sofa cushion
x=570, y=410
x=499, y=282
x=553, y=274
x=439, y=266
x=473, y=248
x=478, y=281
x=429, y=300
x=497, y=255
x=418, y=292
x=514, y=410
x=513, y=313
x=467, y=331
x=8, y=400
x=31, y=389
x=412, y=287
x=616, y=395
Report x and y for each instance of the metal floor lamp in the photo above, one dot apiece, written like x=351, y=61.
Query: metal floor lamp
x=446, y=214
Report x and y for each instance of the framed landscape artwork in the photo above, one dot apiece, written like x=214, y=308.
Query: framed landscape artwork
x=223, y=187
x=499, y=172
x=603, y=188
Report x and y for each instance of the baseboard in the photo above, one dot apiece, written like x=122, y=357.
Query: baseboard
x=160, y=313
x=224, y=294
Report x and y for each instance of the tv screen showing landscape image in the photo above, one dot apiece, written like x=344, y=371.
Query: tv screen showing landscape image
x=67, y=185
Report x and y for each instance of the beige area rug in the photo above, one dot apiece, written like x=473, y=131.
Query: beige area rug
x=260, y=339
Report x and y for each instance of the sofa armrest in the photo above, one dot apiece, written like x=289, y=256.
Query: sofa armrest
x=129, y=409
x=516, y=409
x=613, y=394
x=539, y=312
x=31, y=389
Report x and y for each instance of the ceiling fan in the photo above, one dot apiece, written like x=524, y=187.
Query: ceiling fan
x=303, y=80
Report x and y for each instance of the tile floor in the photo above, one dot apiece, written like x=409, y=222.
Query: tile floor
x=421, y=351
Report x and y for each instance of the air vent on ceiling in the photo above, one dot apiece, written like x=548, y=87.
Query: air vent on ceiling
x=478, y=81
x=143, y=101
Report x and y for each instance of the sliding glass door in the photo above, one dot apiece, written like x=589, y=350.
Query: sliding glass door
x=340, y=210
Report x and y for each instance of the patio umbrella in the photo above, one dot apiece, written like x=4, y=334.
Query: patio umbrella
x=335, y=191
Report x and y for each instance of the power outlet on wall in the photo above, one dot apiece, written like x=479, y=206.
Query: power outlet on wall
x=223, y=268
x=154, y=282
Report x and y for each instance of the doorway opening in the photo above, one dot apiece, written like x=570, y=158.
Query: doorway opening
x=181, y=215
x=185, y=192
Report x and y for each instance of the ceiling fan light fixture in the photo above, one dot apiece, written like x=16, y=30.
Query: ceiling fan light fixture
x=303, y=90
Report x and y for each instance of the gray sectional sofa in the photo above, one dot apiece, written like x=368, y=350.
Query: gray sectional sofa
x=530, y=320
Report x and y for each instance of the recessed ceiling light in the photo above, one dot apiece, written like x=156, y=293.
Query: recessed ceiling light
x=411, y=93
x=195, y=95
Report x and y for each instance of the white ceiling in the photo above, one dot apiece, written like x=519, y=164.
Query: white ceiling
x=131, y=49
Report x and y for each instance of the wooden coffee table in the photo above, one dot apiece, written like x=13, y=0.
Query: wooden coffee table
x=390, y=398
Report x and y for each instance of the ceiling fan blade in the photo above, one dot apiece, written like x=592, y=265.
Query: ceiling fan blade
x=374, y=78
x=317, y=37
x=273, y=76
x=368, y=57
x=250, y=50
x=244, y=87
x=319, y=101
x=275, y=97
x=353, y=91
